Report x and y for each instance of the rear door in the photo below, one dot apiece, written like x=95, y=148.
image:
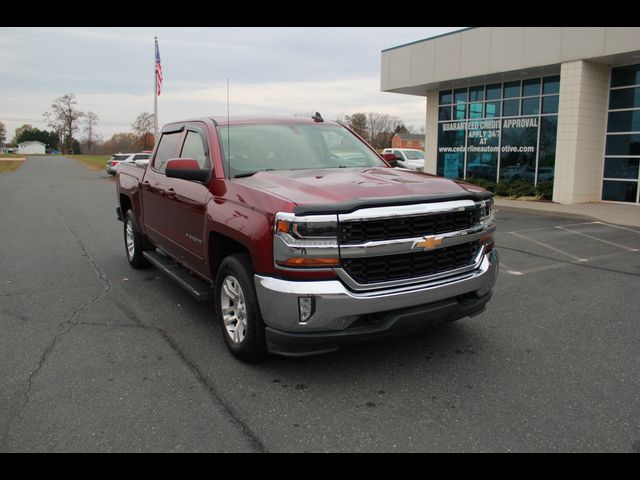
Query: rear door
x=187, y=203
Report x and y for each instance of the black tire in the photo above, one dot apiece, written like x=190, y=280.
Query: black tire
x=249, y=344
x=135, y=257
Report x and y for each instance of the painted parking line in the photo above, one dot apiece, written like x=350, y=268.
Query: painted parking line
x=618, y=227
x=629, y=249
x=557, y=250
x=540, y=229
x=509, y=269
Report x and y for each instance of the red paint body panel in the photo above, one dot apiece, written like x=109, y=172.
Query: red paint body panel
x=182, y=216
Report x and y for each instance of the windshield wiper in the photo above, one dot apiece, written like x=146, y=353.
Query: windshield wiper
x=248, y=174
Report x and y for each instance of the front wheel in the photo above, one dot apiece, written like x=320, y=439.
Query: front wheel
x=237, y=309
x=133, y=242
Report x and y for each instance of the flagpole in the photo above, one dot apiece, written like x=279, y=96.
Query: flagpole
x=155, y=90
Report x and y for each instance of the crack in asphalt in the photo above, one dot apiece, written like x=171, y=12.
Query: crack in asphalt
x=66, y=326
x=200, y=377
x=70, y=323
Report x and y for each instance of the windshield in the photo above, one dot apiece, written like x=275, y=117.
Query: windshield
x=251, y=148
x=414, y=155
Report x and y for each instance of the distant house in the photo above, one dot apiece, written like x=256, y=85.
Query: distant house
x=408, y=140
x=32, y=147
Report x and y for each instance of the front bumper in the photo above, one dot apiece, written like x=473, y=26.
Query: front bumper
x=342, y=316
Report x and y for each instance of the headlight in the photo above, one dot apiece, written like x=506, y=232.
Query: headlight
x=489, y=225
x=488, y=215
x=306, y=242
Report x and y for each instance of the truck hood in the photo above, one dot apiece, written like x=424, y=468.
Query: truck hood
x=343, y=185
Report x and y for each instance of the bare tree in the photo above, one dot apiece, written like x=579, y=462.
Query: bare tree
x=63, y=118
x=90, y=122
x=3, y=134
x=144, y=128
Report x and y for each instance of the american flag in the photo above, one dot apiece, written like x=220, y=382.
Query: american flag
x=158, y=70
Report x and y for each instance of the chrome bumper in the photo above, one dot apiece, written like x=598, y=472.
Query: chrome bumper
x=336, y=307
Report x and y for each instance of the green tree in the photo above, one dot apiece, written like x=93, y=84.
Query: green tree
x=358, y=123
x=50, y=139
x=18, y=132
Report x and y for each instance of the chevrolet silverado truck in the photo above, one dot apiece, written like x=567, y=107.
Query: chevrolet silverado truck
x=304, y=238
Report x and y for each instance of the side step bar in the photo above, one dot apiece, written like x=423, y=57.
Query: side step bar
x=200, y=289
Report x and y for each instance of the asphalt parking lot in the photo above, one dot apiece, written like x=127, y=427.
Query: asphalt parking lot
x=96, y=356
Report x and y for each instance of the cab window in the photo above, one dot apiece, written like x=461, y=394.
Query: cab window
x=194, y=148
x=167, y=150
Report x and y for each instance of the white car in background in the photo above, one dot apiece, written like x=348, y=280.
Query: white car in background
x=118, y=158
x=408, y=157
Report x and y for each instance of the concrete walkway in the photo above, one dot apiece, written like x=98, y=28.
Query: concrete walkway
x=615, y=213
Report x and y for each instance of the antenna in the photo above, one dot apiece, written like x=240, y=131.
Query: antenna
x=228, y=136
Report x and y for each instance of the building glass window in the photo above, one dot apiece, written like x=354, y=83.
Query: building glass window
x=494, y=91
x=621, y=168
x=531, y=88
x=476, y=94
x=460, y=95
x=511, y=89
x=510, y=108
x=492, y=109
x=499, y=132
x=531, y=106
x=547, y=148
x=620, y=191
x=475, y=110
x=629, y=75
x=551, y=85
x=625, y=121
x=445, y=97
x=550, y=104
x=624, y=98
x=621, y=173
x=444, y=113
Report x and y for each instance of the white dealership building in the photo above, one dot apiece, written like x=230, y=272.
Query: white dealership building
x=547, y=104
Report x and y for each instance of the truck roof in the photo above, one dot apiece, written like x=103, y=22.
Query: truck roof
x=252, y=119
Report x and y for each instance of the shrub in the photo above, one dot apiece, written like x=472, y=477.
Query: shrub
x=545, y=189
x=514, y=188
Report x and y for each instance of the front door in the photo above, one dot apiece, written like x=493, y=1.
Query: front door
x=154, y=187
x=187, y=204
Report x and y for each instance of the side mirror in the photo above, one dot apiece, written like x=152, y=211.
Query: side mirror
x=187, y=169
x=391, y=159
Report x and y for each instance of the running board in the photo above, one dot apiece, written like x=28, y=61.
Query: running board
x=200, y=289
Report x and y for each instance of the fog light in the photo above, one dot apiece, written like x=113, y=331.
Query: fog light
x=306, y=306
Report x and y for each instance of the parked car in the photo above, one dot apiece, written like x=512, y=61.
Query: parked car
x=119, y=158
x=302, y=236
x=518, y=172
x=408, y=157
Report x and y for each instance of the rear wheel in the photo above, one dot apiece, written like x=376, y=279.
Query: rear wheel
x=237, y=309
x=133, y=242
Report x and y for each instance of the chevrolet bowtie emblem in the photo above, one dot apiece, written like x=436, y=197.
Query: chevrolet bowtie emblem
x=428, y=243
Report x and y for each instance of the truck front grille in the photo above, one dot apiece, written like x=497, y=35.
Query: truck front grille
x=397, y=267
x=352, y=233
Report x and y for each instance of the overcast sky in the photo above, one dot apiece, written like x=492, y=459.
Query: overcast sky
x=272, y=70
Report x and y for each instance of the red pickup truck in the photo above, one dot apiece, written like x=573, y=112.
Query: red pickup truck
x=304, y=237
